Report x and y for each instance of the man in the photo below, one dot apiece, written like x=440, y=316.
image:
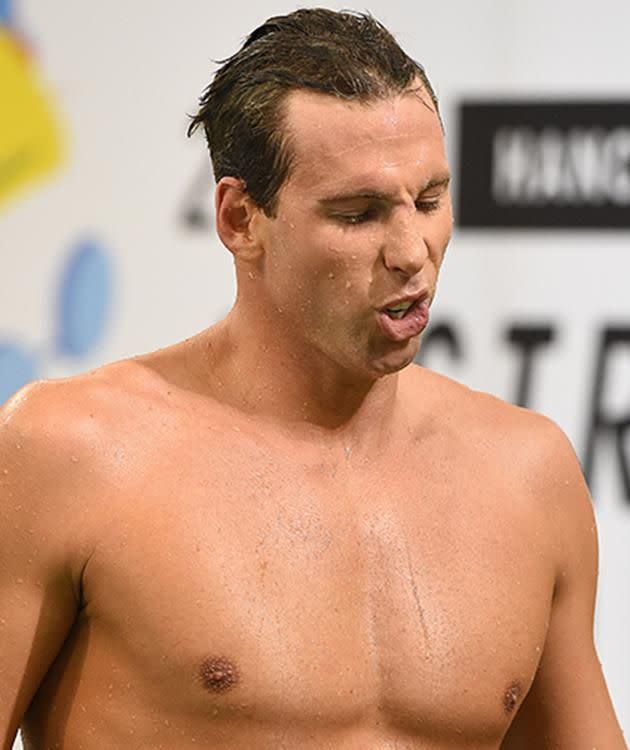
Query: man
x=280, y=533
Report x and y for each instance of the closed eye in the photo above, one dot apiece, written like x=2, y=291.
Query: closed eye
x=372, y=213
x=357, y=218
x=428, y=207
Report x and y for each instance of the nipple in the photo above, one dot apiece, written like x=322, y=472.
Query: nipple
x=218, y=675
x=511, y=697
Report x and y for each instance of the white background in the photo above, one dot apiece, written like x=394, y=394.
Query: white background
x=125, y=74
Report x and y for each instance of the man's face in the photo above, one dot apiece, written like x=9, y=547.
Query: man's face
x=362, y=223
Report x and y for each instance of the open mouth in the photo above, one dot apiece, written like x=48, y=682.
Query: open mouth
x=404, y=320
x=399, y=311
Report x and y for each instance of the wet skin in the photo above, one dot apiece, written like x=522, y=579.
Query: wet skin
x=233, y=584
x=280, y=533
x=248, y=589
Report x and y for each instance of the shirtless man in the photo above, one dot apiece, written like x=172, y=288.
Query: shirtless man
x=281, y=533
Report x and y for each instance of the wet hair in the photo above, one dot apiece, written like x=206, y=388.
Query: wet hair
x=347, y=55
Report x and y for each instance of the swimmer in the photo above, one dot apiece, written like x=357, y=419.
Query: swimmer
x=281, y=533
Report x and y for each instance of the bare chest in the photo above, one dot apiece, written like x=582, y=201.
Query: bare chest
x=283, y=592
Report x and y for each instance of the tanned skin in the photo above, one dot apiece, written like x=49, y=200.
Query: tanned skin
x=283, y=534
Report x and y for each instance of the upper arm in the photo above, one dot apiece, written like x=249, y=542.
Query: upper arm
x=39, y=593
x=568, y=705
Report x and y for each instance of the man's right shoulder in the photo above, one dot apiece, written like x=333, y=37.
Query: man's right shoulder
x=50, y=425
x=57, y=467
x=60, y=406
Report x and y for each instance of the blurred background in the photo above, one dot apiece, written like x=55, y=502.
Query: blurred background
x=107, y=244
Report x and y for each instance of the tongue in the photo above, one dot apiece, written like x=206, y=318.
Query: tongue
x=413, y=322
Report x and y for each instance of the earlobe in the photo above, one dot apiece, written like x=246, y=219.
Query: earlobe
x=236, y=220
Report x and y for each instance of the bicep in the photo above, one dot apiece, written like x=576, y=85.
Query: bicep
x=36, y=616
x=568, y=705
x=38, y=601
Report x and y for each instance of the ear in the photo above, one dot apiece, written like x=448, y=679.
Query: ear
x=236, y=220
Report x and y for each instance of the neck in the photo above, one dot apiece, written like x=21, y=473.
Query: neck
x=264, y=371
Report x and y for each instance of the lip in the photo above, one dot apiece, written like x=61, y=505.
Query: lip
x=421, y=296
x=412, y=323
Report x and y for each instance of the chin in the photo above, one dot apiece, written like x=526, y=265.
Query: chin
x=393, y=361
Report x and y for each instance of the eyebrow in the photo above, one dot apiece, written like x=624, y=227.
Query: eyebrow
x=442, y=181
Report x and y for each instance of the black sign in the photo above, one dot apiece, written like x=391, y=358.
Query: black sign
x=544, y=164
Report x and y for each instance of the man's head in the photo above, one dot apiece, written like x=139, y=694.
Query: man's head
x=346, y=55
x=332, y=190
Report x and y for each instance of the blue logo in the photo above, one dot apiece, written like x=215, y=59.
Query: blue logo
x=81, y=312
x=6, y=12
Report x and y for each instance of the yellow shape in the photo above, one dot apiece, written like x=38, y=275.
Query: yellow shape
x=30, y=138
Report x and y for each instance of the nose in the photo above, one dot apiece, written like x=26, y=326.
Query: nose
x=405, y=249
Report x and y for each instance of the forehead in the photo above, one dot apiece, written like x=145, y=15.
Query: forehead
x=335, y=141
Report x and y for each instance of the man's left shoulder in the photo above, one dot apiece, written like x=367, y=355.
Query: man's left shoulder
x=528, y=446
x=531, y=445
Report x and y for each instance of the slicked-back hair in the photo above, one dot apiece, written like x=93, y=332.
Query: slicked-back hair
x=347, y=55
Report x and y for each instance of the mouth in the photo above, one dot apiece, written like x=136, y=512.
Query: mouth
x=399, y=308
x=396, y=312
x=403, y=319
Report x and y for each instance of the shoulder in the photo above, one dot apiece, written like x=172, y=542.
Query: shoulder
x=69, y=412
x=60, y=438
x=68, y=449
x=475, y=418
x=533, y=456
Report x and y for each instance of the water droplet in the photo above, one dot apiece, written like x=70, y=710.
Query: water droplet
x=251, y=274
x=331, y=275
x=167, y=723
x=74, y=459
x=5, y=472
x=18, y=446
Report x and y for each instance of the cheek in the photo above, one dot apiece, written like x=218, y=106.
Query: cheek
x=350, y=271
x=328, y=270
x=335, y=286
